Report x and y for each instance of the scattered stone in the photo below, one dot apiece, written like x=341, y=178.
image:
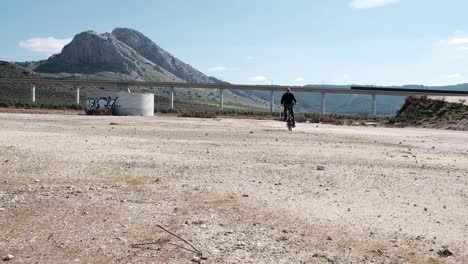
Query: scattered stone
x=425, y=209
x=36, y=180
x=445, y=252
x=8, y=257
x=245, y=195
x=251, y=132
x=196, y=259
x=320, y=167
x=329, y=238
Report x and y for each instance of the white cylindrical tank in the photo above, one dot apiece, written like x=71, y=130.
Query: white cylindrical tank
x=120, y=103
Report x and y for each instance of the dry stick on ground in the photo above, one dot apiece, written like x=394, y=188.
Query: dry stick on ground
x=195, y=250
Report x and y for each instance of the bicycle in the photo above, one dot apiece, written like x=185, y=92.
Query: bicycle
x=290, y=118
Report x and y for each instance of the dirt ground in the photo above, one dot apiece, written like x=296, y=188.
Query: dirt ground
x=95, y=189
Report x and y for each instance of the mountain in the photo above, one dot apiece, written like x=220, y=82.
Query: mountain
x=148, y=49
x=91, y=53
x=124, y=51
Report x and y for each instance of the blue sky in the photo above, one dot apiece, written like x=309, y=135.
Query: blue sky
x=295, y=42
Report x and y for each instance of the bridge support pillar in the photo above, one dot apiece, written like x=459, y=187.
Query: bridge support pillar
x=374, y=105
x=221, y=99
x=33, y=93
x=322, y=103
x=272, y=101
x=172, y=97
x=77, y=95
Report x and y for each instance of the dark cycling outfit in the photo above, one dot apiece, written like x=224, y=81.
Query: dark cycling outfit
x=288, y=100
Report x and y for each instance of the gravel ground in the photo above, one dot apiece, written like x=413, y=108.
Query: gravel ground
x=82, y=189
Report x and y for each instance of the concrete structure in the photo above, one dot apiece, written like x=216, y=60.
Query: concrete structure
x=77, y=95
x=120, y=103
x=370, y=90
x=33, y=93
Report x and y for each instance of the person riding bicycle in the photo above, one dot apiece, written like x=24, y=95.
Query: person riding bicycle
x=288, y=100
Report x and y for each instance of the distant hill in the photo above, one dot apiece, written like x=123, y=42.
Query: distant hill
x=12, y=70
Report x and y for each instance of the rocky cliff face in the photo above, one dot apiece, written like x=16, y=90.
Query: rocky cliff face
x=151, y=51
x=92, y=53
x=124, y=51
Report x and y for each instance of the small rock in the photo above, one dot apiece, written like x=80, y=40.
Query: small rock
x=320, y=167
x=196, y=259
x=8, y=257
x=329, y=238
x=245, y=195
x=425, y=209
x=36, y=180
x=443, y=253
x=251, y=132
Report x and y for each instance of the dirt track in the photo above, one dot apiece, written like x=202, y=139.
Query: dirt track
x=93, y=190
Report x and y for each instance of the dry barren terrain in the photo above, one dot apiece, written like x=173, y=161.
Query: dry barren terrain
x=87, y=189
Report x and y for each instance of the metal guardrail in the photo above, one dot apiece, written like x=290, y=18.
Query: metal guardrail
x=369, y=90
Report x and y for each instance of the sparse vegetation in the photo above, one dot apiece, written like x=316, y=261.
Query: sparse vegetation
x=422, y=111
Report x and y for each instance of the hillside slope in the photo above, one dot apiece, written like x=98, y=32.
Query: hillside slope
x=436, y=113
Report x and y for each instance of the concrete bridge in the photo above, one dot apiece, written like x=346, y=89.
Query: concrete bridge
x=369, y=90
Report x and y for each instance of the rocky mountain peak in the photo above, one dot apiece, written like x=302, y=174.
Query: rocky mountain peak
x=124, y=51
x=151, y=51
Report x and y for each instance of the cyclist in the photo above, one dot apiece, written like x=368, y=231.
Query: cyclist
x=288, y=100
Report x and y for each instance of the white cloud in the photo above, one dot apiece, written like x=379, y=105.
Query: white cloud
x=455, y=76
x=217, y=69
x=299, y=79
x=462, y=48
x=458, y=41
x=365, y=4
x=258, y=78
x=48, y=46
